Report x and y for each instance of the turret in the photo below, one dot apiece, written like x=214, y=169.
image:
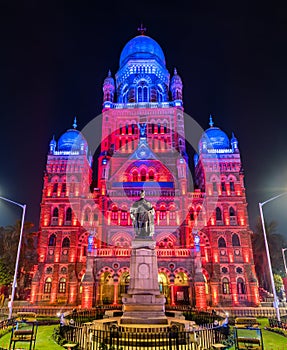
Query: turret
x=176, y=86
x=109, y=88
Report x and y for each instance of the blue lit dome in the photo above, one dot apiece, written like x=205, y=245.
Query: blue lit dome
x=214, y=138
x=72, y=140
x=142, y=47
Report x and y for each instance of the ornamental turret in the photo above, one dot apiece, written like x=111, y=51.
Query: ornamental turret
x=109, y=88
x=176, y=86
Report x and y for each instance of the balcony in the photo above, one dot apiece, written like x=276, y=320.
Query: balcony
x=126, y=252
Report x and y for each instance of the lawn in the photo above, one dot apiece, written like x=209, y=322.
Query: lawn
x=44, y=340
x=272, y=341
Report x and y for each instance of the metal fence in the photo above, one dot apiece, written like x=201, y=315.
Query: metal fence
x=118, y=338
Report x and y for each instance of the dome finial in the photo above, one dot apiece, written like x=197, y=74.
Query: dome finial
x=142, y=29
x=109, y=73
x=175, y=71
x=75, y=123
x=211, y=121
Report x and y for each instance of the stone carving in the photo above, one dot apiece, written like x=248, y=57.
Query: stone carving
x=142, y=214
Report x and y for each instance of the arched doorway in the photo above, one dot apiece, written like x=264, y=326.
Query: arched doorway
x=181, y=288
x=123, y=285
x=163, y=282
x=106, y=288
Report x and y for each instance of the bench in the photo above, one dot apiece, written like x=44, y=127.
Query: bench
x=248, y=343
x=246, y=322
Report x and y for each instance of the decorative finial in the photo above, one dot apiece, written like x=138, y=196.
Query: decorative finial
x=75, y=123
x=210, y=121
x=142, y=30
x=109, y=73
x=175, y=71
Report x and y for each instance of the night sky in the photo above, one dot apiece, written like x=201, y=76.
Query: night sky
x=232, y=57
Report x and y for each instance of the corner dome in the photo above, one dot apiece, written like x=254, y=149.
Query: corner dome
x=142, y=47
x=72, y=140
x=214, y=138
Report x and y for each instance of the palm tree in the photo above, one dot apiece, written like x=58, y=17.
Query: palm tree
x=9, y=238
x=275, y=242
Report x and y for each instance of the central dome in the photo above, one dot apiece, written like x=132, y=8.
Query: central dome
x=142, y=47
x=72, y=140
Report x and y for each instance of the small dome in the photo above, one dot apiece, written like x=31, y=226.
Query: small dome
x=142, y=47
x=72, y=140
x=214, y=138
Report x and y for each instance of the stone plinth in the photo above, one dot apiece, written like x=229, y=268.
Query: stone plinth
x=143, y=304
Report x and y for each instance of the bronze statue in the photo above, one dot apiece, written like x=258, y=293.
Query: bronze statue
x=142, y=214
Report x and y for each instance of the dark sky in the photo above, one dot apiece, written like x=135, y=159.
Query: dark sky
x=232, y=57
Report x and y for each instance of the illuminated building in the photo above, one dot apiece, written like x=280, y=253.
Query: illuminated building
x=202, y=233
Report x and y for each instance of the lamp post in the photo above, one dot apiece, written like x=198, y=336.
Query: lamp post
x=276, y=302
x=284, y=260
x=23, y=206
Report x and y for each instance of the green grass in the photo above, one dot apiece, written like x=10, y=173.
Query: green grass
x=44, y=340
x=272, y=341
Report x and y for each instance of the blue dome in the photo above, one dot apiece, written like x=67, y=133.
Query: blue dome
x=142, y=47
x=72, y=140
x=214, y=138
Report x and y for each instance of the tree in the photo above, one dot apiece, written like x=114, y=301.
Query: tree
x=278, y=283
x=275, y=243
x=9, y=238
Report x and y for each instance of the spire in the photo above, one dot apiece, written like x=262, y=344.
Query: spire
x=75, y=123
x=210, y=121
x=142, y=29
x=109, y=73
x=175, y=71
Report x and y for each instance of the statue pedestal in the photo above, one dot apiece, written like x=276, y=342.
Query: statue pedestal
x=143, y=304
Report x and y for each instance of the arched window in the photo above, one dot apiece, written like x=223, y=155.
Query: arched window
x=64, y=187
x=142, y=92
x=55, y=187
x=151, y=175
x=221, y=242
x=55, y=216
x=52, y=240
x=62, y=285
x=199, y=213
x=48, y=285
x=223, y=188
x=231, y=184
x=231, y=211
x=162, y=213
x=115, y=213
x=135, y=176
x=66, y=243
x=87, y=214
x=214, y=184
x=240, y=286
x=143, y=175
x=218, y=214
x=191, y=214
x=124, y=215
x=225, y=286
x=235, y=240
x=69, y=214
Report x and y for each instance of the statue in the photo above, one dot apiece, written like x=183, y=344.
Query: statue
x=142, y=214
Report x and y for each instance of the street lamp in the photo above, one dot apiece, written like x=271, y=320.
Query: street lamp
x=275, y=303
x=284, y=260
x=23, y=206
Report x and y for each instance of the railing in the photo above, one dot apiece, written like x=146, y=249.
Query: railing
x=87, y=337
x=127, y=252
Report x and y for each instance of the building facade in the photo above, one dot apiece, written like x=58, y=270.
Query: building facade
x=202, y=232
